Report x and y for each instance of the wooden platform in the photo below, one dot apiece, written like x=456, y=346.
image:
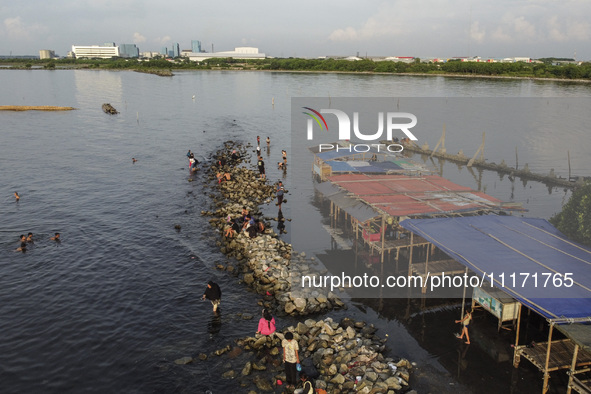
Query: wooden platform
x=561, y=355
x=438, y=268
x=394, y=244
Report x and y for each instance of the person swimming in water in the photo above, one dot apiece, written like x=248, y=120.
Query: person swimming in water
x=30, y=237
x=56, y=237
x=17, y=196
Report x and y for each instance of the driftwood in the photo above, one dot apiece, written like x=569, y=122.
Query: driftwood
x=109, y=109
x=33, y=108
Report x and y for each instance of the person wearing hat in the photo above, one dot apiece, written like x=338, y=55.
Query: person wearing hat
x=214, y=294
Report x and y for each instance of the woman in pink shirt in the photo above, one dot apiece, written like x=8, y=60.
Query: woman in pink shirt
x=266, y=324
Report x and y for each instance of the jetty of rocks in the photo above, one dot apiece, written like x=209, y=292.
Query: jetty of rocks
x=267, y=264
x=342, y=357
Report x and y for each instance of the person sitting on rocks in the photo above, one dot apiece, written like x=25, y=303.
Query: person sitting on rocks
x=223, y=176
x=307, y=385
x=260, y=226
x=247, y=222
x=266, y=324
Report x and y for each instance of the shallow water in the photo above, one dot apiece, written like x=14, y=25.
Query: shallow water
x=117, y=301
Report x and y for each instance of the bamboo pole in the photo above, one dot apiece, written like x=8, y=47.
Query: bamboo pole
x=546, y=373
x=517, y=333
x=573, y=366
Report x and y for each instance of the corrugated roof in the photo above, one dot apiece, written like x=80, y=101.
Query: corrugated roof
x=539, y=257
x=401, y=195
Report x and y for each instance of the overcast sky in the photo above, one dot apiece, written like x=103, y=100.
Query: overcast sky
x=306, y=28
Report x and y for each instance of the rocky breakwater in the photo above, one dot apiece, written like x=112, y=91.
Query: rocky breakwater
x=266, y=263
x=343, y=357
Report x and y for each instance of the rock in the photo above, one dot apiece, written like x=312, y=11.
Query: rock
x=259, y=342
x=248, y=278
x=350, y=333
x=258, y=367
x=289, y=308
x=393, y=383
x=371, y=376
x=246, y=317
x=235, y=352
x=328, y=329
x=231, y=374
x=302, y=328
x=247, y=368
x=202, y=356
x=183, y=360
x=338, y=379
x=332, y=370
x=262, y=384
x=300, y=304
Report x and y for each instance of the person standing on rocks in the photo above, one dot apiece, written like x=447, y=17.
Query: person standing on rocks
x=280, y=191
x=266, y=324
x=290, y=358
x=214, y=294
x=261, y=165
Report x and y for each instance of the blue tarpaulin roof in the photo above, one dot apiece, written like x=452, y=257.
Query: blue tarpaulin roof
x=531, y=249
x=341, y=166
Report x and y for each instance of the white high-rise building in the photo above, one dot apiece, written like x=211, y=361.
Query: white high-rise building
x=95, y=51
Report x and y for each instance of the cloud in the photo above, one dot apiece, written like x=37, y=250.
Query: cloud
x=476, y=33
x=163, y=40
x=524, y=27
x=138, y=38
x=16, y=28
x=347, y=34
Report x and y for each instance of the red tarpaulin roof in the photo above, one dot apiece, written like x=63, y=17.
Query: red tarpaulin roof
x=401, y=195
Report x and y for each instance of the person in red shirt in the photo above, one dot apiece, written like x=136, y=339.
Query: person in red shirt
x=266, y=324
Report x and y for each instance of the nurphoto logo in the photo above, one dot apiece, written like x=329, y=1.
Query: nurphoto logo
x=391, y=120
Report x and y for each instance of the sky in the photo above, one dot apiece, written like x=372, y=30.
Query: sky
x=306, y=28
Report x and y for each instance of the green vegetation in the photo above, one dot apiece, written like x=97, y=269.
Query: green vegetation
x=575, y=219
x=520, y=69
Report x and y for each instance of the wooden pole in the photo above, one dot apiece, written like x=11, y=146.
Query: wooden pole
x=410, y=257
x=546, y=373
x=516, y=159
x=573, y=366
x=383, y=234
x=517, y=334
x=464, y=299
x=440, y=142
x=480, y=150
x=568, y=154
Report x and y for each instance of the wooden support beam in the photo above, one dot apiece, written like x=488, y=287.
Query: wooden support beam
x=573, y=367
x=549, y=349
x=480, y=150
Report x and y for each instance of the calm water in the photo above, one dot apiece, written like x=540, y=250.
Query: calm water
x=117, y=301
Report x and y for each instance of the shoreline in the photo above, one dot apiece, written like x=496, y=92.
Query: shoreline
x=170, y=72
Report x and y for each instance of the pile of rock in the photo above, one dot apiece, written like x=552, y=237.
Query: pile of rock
x=267, y=263
x=347, y=357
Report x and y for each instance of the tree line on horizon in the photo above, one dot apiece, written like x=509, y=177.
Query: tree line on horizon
x=518, y=69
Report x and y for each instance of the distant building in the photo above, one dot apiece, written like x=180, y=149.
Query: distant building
x=195, y=46
x=176, y=50
x=164, y=51
x=403, y=59
x=150, y=55
x=95, y=51
x=46, y=54
x=129, y=50
x=237, y=53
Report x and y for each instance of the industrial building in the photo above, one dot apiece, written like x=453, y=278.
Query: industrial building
x=237, y=53
x=95, y=51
